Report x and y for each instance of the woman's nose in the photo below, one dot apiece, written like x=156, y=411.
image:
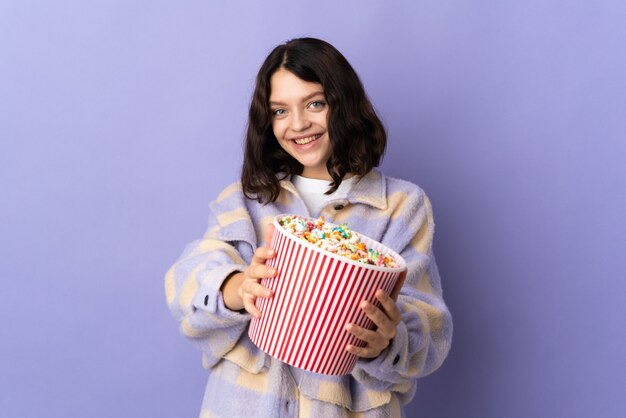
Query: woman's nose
x=299, y=121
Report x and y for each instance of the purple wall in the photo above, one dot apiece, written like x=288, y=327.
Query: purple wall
x=120, y=121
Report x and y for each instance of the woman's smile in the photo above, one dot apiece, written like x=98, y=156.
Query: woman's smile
x=307, y=139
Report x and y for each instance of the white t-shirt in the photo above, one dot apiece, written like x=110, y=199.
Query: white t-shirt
x=312, y=192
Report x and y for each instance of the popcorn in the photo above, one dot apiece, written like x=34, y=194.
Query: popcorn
x=339, y=240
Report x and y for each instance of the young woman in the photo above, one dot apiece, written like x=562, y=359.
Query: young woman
x=312, y=145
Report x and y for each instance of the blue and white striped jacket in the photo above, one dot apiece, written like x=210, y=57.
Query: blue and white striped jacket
x=243, y=380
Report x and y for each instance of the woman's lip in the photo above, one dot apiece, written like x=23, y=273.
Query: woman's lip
x=309, y=144
x=295, y=138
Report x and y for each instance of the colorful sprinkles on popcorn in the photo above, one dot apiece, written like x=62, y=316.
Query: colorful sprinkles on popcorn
x=339, y=240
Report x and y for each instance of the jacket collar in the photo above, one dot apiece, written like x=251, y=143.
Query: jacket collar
x=371, y=189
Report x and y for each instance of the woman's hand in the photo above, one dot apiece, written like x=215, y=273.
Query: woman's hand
x=386, y=321
x=240, y=290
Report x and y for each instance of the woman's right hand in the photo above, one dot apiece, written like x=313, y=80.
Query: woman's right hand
x=241, y=289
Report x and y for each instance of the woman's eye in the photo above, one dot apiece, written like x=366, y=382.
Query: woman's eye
x=278, y=112
x=318, y=104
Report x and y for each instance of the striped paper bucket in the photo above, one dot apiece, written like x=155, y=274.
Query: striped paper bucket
x=316, y=293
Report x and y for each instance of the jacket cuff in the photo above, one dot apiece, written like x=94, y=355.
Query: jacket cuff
x=390, y=362
x=209, y=297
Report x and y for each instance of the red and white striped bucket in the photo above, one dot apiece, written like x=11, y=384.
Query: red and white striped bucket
x=316, y=293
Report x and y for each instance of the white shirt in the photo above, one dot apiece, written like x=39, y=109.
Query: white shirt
x=312, y=192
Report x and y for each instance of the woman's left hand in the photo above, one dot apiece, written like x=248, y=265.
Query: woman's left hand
x=386, y=321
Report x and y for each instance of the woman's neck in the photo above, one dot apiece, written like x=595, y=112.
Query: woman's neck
x=319, y=175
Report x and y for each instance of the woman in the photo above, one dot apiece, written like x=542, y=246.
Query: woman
x=312, y=145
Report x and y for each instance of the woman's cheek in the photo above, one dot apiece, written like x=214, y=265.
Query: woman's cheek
x=279, y=129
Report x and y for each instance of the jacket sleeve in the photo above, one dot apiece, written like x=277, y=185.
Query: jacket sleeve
x=192, y=288
x=424, y=334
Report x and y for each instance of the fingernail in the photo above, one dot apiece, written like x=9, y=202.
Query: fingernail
x=270, y=252
x=364, y=304
x=268, y=293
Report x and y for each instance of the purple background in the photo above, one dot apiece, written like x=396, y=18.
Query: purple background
x=120, y=121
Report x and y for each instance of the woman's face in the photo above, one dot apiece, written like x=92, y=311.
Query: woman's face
x=299, y=115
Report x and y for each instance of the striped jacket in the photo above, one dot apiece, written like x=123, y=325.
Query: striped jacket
x=243, y=380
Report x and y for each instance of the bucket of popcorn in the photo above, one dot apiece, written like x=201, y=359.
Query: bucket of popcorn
x=324, y=272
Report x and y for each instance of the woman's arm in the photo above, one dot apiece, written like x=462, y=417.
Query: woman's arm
x=193, y=288
x=423, y=335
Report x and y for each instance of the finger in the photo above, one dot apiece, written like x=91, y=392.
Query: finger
x=260, y=271
x=369, y=337
x=378, y=317
x=269, y=233
x=262, y=254
x=389, y=305
x=365, y=352
x=252, y=287
x=249, y=306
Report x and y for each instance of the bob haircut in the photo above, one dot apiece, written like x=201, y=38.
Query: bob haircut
x=357, y=136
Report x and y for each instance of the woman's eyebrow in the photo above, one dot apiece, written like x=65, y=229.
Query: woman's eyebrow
x=304, y=99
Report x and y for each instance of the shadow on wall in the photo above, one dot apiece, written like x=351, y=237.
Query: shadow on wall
x=458, y=388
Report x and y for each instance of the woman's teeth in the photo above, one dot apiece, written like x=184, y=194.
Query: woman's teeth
x=306, y=140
